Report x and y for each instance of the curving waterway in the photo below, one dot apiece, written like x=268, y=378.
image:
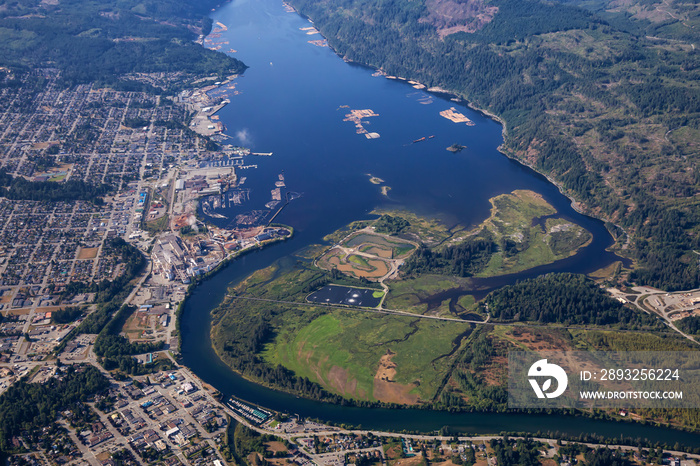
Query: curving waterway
x=292, y=103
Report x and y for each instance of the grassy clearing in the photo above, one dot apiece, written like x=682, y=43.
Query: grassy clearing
x=607, y=272
x=524, y=242
x=443, y=310
x=429, y=230
x=342, y=350
x=406, y=295
x=685, y=139
x=467, y=301
x=359, y=260
x=157, y=225
x=565, y=238
x=510, y=211
x=403, y=251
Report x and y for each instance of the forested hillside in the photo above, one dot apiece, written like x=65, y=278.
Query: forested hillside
x=563, y=298
x=600, y=94
x=98, y=41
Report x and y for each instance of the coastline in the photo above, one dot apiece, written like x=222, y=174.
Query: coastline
x=221, y=265
x=578, y=206
x=227, y=260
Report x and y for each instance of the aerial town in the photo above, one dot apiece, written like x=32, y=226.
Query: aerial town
x=122, y=196
x=158, y=170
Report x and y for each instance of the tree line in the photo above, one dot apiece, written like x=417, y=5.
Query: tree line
x=511, y=68
x=463, y=259
x=563, y=298
x=390, y=225
x=30, y=406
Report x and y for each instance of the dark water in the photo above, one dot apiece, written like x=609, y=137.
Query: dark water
x=335, y=294
x=289, y=105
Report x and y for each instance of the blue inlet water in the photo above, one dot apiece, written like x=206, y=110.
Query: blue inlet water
x=292, y=102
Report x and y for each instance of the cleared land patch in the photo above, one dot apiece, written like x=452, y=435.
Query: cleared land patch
x=347, y=354
x=87, y=253
x=450, y=16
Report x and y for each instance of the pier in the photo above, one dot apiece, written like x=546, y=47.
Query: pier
x=286, y=196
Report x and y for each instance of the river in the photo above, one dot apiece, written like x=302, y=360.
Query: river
x=292, y=102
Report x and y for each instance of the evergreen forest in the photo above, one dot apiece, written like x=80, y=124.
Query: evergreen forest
x=600, y=96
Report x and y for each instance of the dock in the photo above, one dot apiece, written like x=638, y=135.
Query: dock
x=286, y=196
x=255, y=414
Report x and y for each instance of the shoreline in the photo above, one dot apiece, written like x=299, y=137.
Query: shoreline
x=225, y=262
x=221, y=265
x=578, y=206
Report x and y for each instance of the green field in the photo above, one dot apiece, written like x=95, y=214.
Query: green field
x=467, y=301
x=354, y=354
x=524, y=242
x=407, y=294
x=359, y=260
x=157, y=225
x=342, y=352
x=428, y=230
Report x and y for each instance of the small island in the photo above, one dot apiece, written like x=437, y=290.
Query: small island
x=454, y=148
x=375, y=179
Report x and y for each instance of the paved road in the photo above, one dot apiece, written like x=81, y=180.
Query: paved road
x=88, y=455
x=474, y=439
x=659, y=307
x=361, y=309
